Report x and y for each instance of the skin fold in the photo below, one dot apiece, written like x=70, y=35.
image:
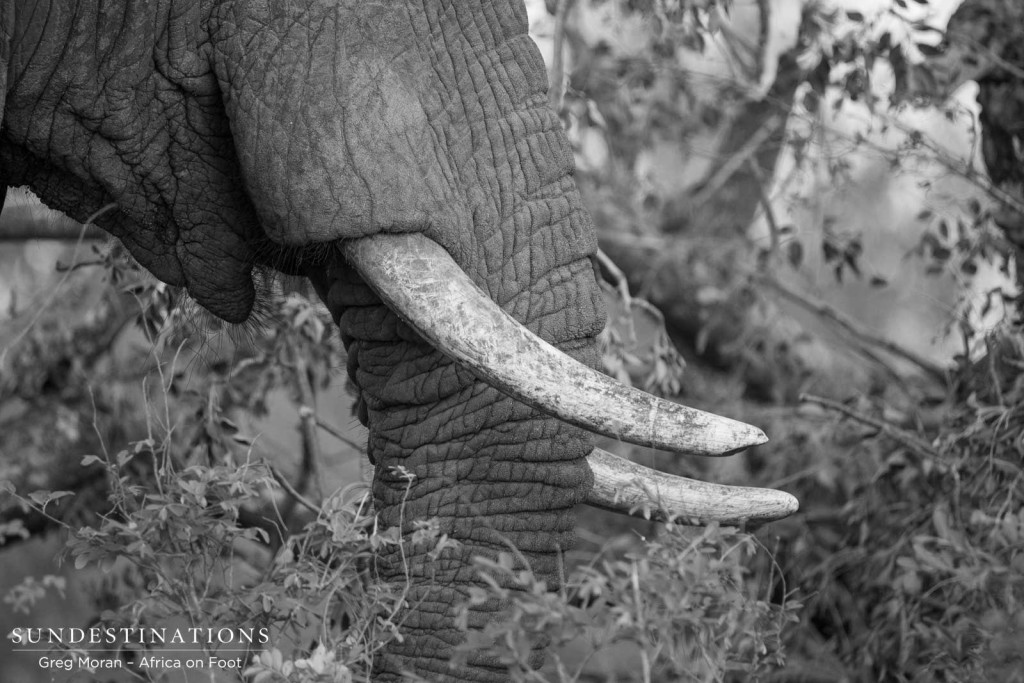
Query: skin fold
x=236, y=135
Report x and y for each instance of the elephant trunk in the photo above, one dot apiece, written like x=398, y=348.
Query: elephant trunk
x=473, y=443
x=494, y=472
x=444, y=139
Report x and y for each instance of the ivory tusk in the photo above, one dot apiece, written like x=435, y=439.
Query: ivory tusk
x=626, y=487
x=418, y=279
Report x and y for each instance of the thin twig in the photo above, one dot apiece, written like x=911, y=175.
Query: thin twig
x=646, y=242
x=964, y=169
x=854, y=328
x=895, y=433
x=734, y=43
x=556, y=85
x=960, y=36
x=296, y=496
x=641, y=622
x=733, y=163
x=961, y=168
x=668, y=246
x=766, y=204
x=366, y=469
x=621, y=282
x=861, y=346
x=336, y=433
x=60, y=284
x=311, y=455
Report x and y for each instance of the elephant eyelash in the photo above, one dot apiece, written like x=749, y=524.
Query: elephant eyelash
x=293, y=260
x=269, y=282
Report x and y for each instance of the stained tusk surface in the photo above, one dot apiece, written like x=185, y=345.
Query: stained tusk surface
x=417, y=279
x=626, y=487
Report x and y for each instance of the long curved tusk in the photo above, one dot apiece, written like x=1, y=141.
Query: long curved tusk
x=626, y=487
x=419, y=280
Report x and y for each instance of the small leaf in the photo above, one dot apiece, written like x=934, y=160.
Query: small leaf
x=795, y=253
x=301, y=318
x=830, y=251
x=43, y=498
x=941, y=521
x=13, y=528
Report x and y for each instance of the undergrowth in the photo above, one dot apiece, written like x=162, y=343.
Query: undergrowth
x=684, y=604
x=174, y=551
x=919, y=576
x=196, y=532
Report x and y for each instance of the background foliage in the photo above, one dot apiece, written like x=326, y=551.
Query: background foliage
x=824, y=202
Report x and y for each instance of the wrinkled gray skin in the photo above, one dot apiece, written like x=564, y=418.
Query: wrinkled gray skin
x=226, y=130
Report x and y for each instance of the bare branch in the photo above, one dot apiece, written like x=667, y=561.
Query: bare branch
x=736, y=161
x=621, y=282
x=311, y=455
x=295, y=495
x=855, y=329
x=766, y=204
x=556, y=84
x=337, y=434
x=895, y=433
x=965, y=38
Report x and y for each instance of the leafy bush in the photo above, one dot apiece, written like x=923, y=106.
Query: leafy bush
x=174, y=549
x=684, y=602
x=195, y=531
x=920, y=576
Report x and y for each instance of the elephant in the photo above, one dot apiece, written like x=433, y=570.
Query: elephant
x=401, y=156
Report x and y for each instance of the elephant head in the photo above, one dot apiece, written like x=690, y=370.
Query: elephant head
x=402, y=156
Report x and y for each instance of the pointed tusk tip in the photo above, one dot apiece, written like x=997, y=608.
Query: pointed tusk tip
x=757, y=436
x=747, y=436
x=777, y=505
x=788, y=503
